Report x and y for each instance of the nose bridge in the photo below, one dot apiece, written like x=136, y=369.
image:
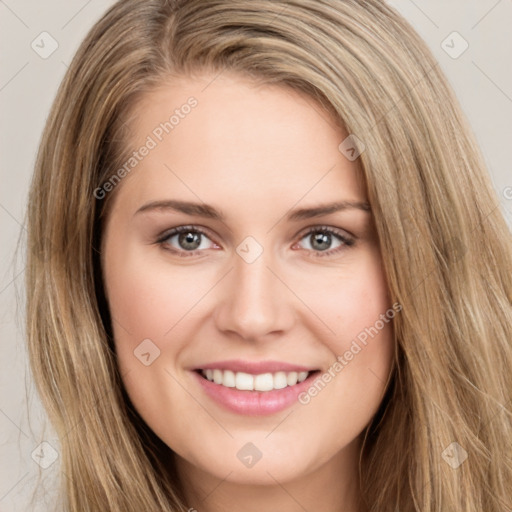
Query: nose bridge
x=253, y=300
x=253, y=281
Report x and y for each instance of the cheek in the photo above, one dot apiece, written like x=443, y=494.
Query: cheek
x=147, y=299
x=359, y=313
x=365, y=302
x=150, y=304
x=351, y=300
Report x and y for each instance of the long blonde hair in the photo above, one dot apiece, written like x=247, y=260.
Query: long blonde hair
x=446, y=248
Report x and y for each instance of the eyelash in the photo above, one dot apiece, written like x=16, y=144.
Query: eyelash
x=346, y=241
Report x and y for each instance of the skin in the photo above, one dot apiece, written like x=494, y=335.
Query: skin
x=254, y=153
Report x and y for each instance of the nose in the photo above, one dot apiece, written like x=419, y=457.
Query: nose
x=254, y=303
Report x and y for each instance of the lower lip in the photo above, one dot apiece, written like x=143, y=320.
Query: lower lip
x=254, y=403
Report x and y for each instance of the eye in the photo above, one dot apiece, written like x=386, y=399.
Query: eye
x=190, y=240
x=185, y=240
x=325, y=241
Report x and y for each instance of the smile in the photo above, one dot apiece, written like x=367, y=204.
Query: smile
x=247, y=382
x=254, y=388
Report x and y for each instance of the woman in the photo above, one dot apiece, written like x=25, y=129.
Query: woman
x=267, y=269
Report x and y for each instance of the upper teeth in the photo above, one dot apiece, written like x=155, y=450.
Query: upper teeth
x=247, y=382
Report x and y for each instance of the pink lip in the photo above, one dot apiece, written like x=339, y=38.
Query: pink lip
x=253, y=403
x=255, y=368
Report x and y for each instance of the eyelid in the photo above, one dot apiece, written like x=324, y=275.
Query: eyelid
x=343, y=233
x=184, y=227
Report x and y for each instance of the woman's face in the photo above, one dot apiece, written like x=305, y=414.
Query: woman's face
x=276, y=272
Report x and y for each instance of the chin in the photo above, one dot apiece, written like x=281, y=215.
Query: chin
x=258, y=463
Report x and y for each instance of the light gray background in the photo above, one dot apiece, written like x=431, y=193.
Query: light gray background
x=481, y=77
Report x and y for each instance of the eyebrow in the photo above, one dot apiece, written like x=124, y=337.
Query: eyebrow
x=209, y=212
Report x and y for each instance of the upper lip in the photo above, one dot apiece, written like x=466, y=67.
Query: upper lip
x=255, y=367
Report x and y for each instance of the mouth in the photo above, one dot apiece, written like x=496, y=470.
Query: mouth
x=247, y=382
x=254, y=389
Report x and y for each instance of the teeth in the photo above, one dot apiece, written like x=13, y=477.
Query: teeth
x=302, y=376
x=264, y=382
x=244, y=381
x=291, y=379
x=217, y=376
x=247, y=382
x=229, y=379
x=280, y=380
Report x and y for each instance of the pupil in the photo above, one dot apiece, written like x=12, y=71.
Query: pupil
x=321, y=241
x=189, y=240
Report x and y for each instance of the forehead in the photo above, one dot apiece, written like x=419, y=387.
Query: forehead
x=224, y=139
